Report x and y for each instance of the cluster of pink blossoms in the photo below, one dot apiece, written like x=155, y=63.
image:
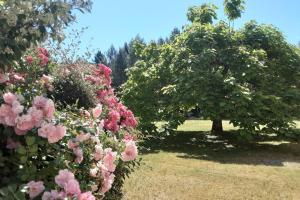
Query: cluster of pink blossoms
x=119, y=116
x=70, y=188
x=38, y=116
x=43, y=57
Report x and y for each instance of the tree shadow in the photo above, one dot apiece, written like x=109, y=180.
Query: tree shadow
x=227, y=148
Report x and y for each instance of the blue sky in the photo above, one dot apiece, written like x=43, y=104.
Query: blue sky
x=117, y=21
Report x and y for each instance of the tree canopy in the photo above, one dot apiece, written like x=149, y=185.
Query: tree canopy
x=26, y=22
x=250, y=76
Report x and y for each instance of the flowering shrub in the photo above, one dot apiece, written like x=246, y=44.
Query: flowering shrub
x=46, y=153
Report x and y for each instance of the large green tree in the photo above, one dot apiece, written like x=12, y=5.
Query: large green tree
x=250, y=76
x=27, y=22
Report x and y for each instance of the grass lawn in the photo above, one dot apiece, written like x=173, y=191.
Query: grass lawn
x=192, y=164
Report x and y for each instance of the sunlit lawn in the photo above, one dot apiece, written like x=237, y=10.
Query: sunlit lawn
x=192, y=164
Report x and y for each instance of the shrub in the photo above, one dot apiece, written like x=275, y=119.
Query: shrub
x=69, y=153
x=72, y=89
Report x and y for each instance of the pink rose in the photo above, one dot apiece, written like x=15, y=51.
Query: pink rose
x=49, y=109
x=45, y=129
x=108, y=180
x=130, y=153
x=9, y=98
x=20, y=132
x=57, y=135
x=79, y=155
x=35, y=188
x=86, y=113
x=51, y=132
x=29, y=59
x=17, y=108
x=39, y=102
x=53, y=195
x=72, y=187
x=72, y=145
x=83, y=137
x=86, y=196
x=97, y=111
x=99, y=153
x=63, y=177
x=36, y=115
x=25, y=123
x=109, y=159
x=47, y=79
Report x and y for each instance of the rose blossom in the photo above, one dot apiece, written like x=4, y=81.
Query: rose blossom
x=97, y=111
x=130, y=152
x=9, y=98
x=109, y=159
x=39, y=102
x=24, y=122
x=99, y=153
x=29, y=59
x=86, y=196
x=72, y=187
x=79, y=155
x=83, y=137
x=63, y=177
x=49, y=109
x=35, y=188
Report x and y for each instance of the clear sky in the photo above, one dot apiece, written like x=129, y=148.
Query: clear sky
x=117, y=21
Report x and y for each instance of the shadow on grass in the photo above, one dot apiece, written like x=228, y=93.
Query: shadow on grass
x=227, y=148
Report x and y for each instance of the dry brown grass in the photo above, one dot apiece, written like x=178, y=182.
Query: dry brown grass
x=193, y=165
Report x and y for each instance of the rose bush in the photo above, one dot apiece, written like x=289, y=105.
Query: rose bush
x=68, y=153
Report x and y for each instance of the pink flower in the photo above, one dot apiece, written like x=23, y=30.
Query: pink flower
x=108, y=180
x=53, y=195
x=36, y=115
x=63, y=177
x=72, y=145
x=39, y=102
x=18, y=77
x=59, y=133
x=29, y=59
x=72, y=187
x=83, y=137
x=43, y=51
x=49, y=109
x=99, y=153
x=46, y=129
x=79, y=155
x=17, y=108
x=51, y=132
x=9, y=98
x=47, y=79
x=86, y=196
x=86, y=113
x=109, y=159
x=11, y=144
x=130, y=153
x=20, y=132
x=35, y=188
x=43, y=59
x=25, y=123
x=97, y=111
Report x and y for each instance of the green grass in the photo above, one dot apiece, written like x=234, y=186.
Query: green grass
x=192, y=164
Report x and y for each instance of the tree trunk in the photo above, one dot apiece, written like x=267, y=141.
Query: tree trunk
x=217, y=127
